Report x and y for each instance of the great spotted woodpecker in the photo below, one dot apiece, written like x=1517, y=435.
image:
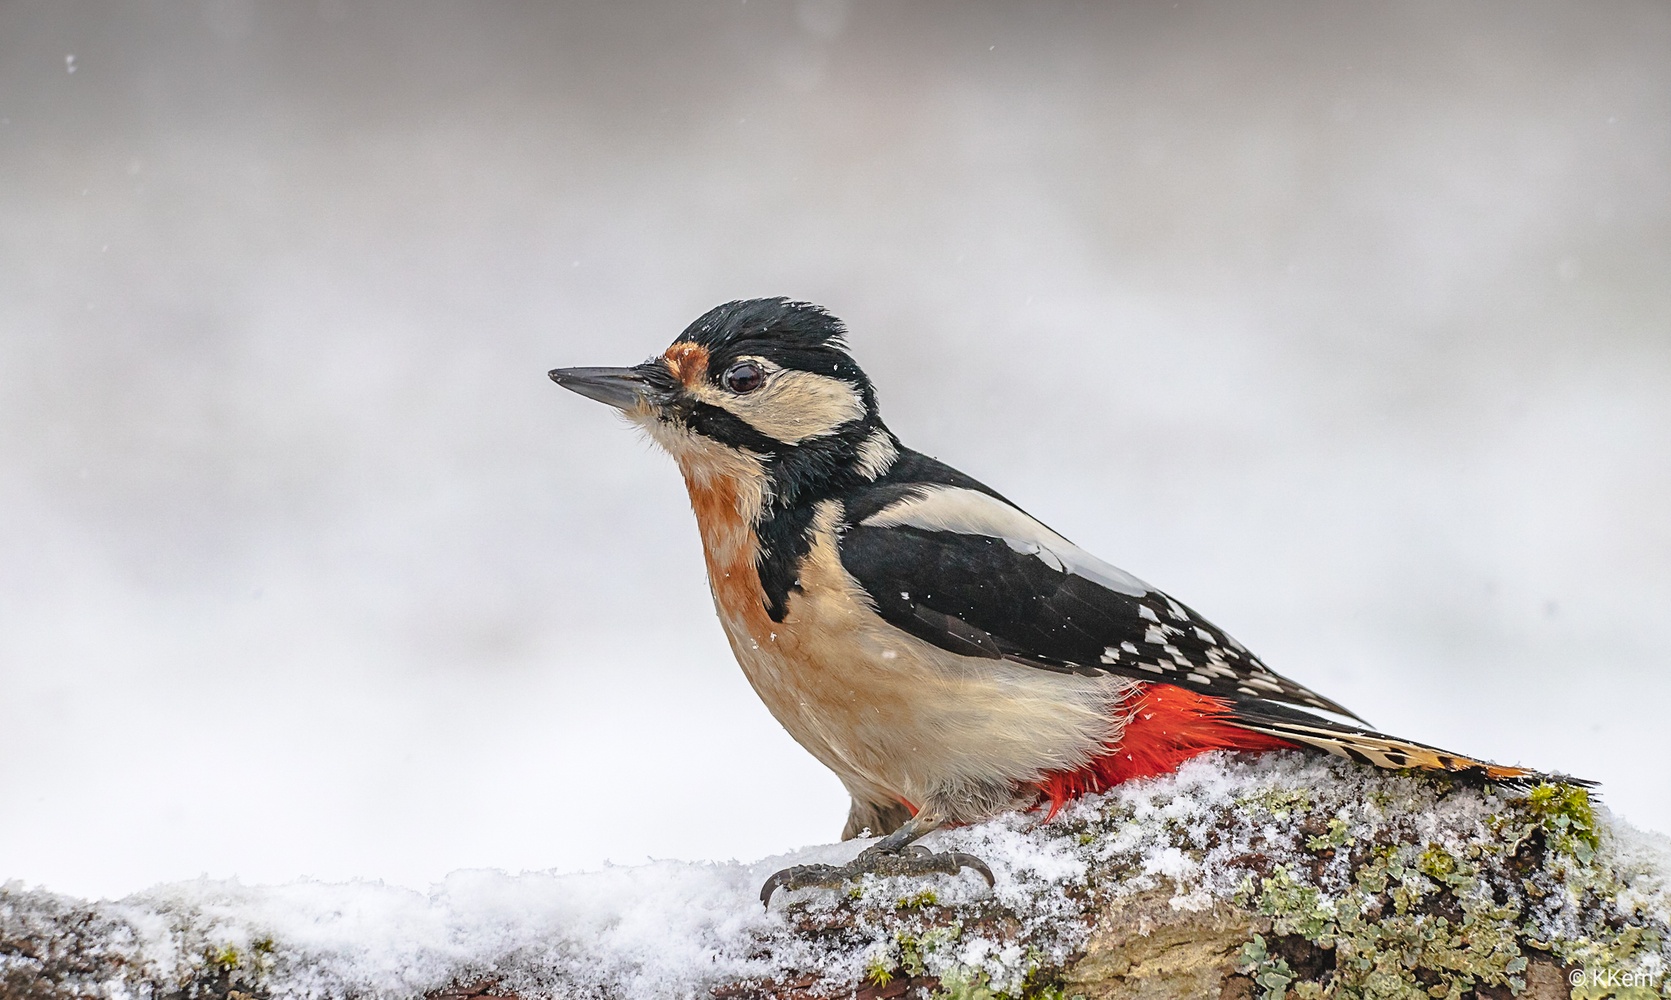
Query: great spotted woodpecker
x=939, y=649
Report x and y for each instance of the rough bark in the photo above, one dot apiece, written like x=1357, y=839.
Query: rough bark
x=1237, y=879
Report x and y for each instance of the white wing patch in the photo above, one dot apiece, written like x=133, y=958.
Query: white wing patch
x=971, y=512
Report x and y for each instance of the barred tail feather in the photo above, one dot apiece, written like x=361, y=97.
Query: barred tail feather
x=1369, y=747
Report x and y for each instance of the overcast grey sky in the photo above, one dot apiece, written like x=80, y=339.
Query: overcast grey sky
x=1349, y=325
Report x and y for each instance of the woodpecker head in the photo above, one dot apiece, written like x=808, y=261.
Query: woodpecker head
x=760, y=384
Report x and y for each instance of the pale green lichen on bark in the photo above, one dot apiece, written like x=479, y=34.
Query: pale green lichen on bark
x=1317, y=879
x=1279, y=802
x=255, y=960
x=1427, y=921
x=1400, y=886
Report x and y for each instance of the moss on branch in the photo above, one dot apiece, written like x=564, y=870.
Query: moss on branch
x=1240, y=878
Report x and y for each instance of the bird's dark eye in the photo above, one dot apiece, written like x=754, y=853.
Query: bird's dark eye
x=744, y=376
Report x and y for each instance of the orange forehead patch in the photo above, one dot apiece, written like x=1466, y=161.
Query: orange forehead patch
x=688, y=362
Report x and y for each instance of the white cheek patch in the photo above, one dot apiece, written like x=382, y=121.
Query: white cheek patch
x=792, y=406
x=970, y=512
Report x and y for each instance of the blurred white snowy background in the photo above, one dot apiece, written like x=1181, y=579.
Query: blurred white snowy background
x=1348, y=325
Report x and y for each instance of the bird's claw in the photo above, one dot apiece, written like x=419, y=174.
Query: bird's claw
x=874, y=861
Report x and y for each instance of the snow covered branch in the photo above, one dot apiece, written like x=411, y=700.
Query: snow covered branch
x=1270, y=877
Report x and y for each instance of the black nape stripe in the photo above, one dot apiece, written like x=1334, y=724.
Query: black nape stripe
x=798, y=477
x=785, y=539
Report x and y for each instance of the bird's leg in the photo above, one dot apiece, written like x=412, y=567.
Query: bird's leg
x=892, y=855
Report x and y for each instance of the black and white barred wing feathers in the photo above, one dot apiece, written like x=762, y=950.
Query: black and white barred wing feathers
x=971, y=573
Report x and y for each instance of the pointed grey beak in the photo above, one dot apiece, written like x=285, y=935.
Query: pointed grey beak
x=623, y=388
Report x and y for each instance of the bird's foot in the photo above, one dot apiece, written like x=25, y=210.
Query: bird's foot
x=874, y=861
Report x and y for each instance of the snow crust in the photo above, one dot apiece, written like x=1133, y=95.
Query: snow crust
x=675, y=929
